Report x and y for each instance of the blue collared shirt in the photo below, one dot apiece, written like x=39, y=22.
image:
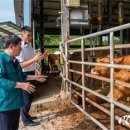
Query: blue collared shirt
x=11, y=98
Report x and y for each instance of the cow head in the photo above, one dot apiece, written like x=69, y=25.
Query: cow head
x=105, y=71
x=99, y=70
x=117, y=60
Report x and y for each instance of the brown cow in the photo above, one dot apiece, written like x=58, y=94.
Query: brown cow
x=120, y=92
x=124, y=60
x=105, y=71
x=53, y=61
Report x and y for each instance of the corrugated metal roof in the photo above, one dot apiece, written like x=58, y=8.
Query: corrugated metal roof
x=9, y=28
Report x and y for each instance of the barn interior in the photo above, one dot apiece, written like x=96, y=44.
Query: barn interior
x=88, y=17
x=57, y=17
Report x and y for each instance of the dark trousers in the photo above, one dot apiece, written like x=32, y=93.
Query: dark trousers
x=27, y=102
x=9, y=120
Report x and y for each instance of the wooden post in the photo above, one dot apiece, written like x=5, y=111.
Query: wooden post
x=65, y=35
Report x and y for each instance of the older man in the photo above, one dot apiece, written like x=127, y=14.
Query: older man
x=12, y=82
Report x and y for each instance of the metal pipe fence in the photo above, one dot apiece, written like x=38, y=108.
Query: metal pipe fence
x=112, y=81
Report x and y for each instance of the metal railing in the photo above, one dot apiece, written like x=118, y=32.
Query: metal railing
x=112, y=66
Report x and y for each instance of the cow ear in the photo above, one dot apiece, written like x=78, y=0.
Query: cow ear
x=118, y=60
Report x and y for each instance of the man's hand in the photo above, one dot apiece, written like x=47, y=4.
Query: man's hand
x=38, y=57
x=26, y=86
x=40, y=78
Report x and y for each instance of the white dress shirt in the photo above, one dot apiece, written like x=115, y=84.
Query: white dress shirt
x=26, y=54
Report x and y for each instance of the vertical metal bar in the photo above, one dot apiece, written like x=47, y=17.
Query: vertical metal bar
x=112, y=80
x=70, y=87
x=42, y=32
x=90, y=13
x=61, y=18
x=94, y=41
x=121, y=39
x=62, y=35
x=62, y=31
x=83, y=73
x=66, y=66
x=33, y=24
x=120, y=19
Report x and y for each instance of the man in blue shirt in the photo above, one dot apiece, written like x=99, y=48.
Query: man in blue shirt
x=12, y=82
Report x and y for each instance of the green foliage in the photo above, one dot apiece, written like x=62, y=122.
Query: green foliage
x=78, y=42
x=52, y=39
x=105, y=42
x=117, y=40
x=55, y=39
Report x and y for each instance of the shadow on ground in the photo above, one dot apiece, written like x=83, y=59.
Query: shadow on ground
x=49, y=88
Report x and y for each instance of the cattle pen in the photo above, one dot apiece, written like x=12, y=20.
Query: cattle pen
x=83, y=87
x=74, y=98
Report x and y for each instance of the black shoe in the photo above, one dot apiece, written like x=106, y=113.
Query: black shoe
x=31, y=123
x=33, y=117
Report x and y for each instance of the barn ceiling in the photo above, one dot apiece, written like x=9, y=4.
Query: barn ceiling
x=110, y=13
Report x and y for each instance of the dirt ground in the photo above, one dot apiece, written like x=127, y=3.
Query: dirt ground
x=61, y=117
x=54, y=114
x=64, y=116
